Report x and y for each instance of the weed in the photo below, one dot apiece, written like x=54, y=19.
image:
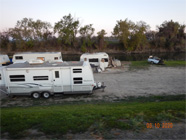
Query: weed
x=175, y=63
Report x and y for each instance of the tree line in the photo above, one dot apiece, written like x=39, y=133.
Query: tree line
x=67, y=34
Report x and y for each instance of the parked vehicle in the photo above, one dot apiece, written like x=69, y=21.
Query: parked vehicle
x=155, y=60
x=100, y=59
x=48, y=79
x=44, y=56
x=4, y=60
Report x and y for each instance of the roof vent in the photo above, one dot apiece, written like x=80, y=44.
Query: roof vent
x=35, y=61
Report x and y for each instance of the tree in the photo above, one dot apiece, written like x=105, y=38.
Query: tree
x=67, y=29
x=138, y=38
x=152, y=38
x=101, y=42
x=123, y=31
x=23, y=29
x=4, y=40
x=130, y=34
x=41, y=30
x=27, y=31
x=86, y=33
x=171, y=34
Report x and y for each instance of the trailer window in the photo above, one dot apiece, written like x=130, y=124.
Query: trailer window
x=93, y=60
x=0, y=76
x=77, y=70
x=106, y=59
x=55, y=58
x=41, y=58
x=39, y=78
x=56, y=74
x=19, y=57
x=78, y=80
x=17, y=78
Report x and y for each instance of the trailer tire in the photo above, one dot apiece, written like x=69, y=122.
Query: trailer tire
x=35, y=95
x=46, y=94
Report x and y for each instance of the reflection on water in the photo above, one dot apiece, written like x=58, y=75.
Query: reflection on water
x=132, y=57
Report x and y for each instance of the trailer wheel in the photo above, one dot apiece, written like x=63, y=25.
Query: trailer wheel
x=35, y=95
x=46, y=95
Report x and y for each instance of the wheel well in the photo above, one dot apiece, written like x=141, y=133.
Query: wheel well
x=51, y=93
x=35, y=92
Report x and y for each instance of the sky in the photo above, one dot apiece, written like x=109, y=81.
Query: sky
x=103, y=14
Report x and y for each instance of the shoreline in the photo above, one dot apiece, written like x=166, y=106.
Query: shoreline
x=109, y=51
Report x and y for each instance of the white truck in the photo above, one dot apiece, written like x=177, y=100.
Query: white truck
x=155, y=60
x=48, y=78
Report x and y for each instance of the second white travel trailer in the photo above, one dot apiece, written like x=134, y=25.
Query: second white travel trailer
x=49, y=78
x=100, y=59
x=44, y=56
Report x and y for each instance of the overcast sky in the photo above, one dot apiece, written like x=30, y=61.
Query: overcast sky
x=103, y=14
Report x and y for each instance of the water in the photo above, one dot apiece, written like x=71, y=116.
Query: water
x=128, y=57
x=132, y=57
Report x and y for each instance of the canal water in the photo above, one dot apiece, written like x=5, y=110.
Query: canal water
x=132, y=57
x=128, y=57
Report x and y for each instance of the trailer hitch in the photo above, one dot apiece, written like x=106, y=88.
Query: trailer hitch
x=100, y=85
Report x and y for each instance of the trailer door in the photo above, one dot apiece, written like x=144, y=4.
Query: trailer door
x=57, y=81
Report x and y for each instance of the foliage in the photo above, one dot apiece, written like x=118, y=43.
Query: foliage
x=123, y=30
x=27, y=29
x=102, y=44
x=83, y=47
x=27, y=32
x=29, y=35
x=67, y=29
x=171, y=36
x=60, y=119
x=86, y=33
x=138, y=38
x=130, y=34
x=4, y=39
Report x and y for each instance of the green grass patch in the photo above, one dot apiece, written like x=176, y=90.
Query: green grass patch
x=175, y=63
x=145, y=64
x=60, y=119
x=139, y=65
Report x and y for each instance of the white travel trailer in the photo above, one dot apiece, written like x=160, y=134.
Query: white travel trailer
x=4, y=59
x=44, y=56
x=49, y=78
x=2, y=81
x=100, y=59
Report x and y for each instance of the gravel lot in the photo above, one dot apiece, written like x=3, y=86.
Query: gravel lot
x=154, y=81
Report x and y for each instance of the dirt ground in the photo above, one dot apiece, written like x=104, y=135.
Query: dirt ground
x=120, y=84
x=175, y=133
